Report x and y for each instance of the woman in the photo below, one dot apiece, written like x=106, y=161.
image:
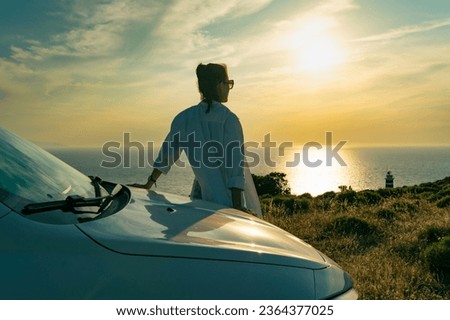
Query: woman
x=212, y=138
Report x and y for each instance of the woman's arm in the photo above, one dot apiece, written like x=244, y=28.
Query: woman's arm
x=150, y=181
x=234, y=159
x=233, y=141
x=168, y=154
x=236, y=197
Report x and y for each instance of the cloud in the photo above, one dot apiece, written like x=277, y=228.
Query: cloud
x=12, y=76
x=182, y=31
x=122, y=11
x=335, y=6
x=96, y=29
x=284, y=38
x=120, y=61
x=176, y=33
x=96, y=41
x=406, y=30
x=85, y=56
x=189, y=17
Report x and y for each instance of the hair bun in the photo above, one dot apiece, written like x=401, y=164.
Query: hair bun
x=209, y=76
x=202, y=71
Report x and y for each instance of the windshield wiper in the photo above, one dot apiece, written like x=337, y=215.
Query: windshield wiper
x=96, y=182
x=69, y=205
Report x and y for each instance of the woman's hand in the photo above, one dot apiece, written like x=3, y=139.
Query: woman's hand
x=246, y=210
x=150, y=182
x=145, y=186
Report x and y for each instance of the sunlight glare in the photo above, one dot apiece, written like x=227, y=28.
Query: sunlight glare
x=319, y=179
x=320, y=55
x=314, y=44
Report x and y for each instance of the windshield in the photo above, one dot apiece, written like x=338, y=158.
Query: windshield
x=30, y=174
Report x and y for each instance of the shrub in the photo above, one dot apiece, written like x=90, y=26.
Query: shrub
x=292, y=204
x=423, y=188
x=440, y=195
x=427, y=196
x=289, y=205
x=444, y=202
x=273, y=184
x=278, y=200
x=386, y=214
x=325, y=200
x=408, y=251
x=266, y=201
x=390, y=192
x=327, y=196
x=352, y=226
x=306, y=196
x=404, y=206
x=303, y=204
x=369, y=197
x=347, y=197
x=437, y=255
x=363, y=234
x=434, y=234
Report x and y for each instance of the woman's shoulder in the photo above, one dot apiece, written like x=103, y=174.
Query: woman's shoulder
x=230, y=115
x=194, y=109
x=186, y=112
x=217, y=111
x=223, y=109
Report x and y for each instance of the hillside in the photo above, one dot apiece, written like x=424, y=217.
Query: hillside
x=395, y=242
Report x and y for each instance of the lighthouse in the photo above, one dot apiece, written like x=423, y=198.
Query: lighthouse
x=389, y=180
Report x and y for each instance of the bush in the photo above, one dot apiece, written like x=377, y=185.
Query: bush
x=362, y=234
x=444, y=202
x=306, y=196
x=303, y=204
x=327, y=196
x=423, y=188
x=325, y=200
x=440, y=195
x=347, y=197
x=352, y=226
x=273, y=184
x=386, y=214
x=433, y=234
x=369, y=197
x=437, y=255
x=390, y=192
x=289, y=204
x=404, y=206
x=292, y=204
x=278, y=200
x=427, y=196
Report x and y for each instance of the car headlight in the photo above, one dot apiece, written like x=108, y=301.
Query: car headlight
x=351, y=294
x=333, y=283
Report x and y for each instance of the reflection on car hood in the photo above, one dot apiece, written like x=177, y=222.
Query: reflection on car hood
x=160, y=224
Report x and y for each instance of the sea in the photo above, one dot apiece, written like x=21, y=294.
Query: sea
x=314, y=171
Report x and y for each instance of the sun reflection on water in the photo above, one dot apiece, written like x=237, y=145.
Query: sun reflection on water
x=313, y=174
x=318, y=179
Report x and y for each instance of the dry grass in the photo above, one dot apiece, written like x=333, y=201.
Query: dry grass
x=380, y=245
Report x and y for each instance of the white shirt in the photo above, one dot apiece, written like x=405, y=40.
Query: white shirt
x=213, y=143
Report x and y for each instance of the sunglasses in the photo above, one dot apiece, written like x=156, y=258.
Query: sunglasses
x=230, y=83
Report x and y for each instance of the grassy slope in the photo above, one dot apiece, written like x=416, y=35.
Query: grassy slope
x=379, y=237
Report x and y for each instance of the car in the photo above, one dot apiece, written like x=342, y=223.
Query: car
x=66, y=235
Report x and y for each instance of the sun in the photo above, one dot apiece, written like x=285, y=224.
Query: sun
x=320, y=55
x=315, y=44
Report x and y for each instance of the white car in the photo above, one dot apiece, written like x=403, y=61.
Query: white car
x=64, y=235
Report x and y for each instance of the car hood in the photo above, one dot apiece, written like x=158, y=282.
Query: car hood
x=161, y=224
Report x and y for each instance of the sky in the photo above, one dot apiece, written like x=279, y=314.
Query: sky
x=82, y=73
